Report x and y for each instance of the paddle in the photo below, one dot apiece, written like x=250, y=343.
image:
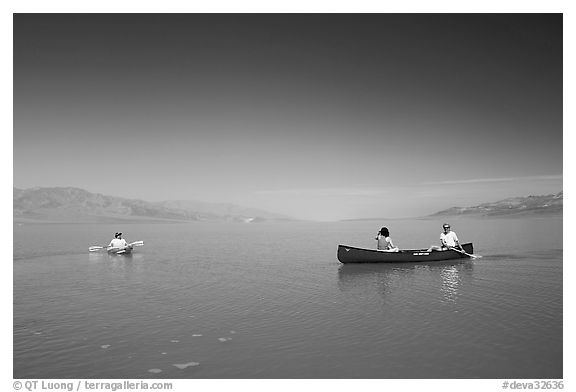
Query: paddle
x=97, y=248
x=464, y=253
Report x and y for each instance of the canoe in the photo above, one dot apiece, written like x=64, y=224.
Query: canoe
x=120, y=251
x=351, y=254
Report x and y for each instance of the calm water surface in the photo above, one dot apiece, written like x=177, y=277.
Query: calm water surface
x=206, y=300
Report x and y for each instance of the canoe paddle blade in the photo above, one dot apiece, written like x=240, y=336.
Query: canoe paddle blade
x=464, y=253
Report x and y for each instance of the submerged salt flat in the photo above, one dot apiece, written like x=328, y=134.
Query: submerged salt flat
x=272, y=301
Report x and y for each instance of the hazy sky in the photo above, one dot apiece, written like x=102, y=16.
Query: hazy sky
x=321, y=116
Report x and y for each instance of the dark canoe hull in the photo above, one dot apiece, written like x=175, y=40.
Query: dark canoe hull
x=350, y=254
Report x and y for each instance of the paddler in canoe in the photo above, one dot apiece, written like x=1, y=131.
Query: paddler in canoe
x=384, y=241
x=448, y=240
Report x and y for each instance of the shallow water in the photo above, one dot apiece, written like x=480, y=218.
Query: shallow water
x=270, y=300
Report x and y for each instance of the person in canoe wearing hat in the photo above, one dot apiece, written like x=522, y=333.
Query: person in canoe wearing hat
x=384, y=241
x=448, y=239
x=118, y=242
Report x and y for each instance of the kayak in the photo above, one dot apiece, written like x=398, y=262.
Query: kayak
x=351, y=254
x=116, y=250
x=120, y=251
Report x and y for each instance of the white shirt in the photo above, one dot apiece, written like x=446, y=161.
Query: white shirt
x=118, y=243
x=450, y=238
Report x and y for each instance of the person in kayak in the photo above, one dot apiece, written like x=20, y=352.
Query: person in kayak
x=384, y=241
x=118, y=242
x=448, y=239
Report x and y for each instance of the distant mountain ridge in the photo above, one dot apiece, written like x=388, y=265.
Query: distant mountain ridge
x=515, y=206
x=68, y=204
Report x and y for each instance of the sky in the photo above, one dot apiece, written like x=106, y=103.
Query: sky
x=317, y=116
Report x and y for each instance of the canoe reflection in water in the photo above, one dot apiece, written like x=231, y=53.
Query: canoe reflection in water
x=411, y=279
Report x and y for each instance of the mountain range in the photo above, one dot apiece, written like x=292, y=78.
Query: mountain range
x=67, y=204
x=515, y=206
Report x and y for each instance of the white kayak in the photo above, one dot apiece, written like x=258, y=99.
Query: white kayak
x=120, y=251
x=117, y=250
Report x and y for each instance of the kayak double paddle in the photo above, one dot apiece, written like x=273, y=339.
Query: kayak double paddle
x=116, y=250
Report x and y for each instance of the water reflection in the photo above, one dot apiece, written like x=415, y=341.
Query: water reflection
x=451, y=283
x=126, y=264
x=103, y=256
x=384, y=278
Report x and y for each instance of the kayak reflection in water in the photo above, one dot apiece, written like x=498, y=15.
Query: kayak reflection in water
x=384, y=241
